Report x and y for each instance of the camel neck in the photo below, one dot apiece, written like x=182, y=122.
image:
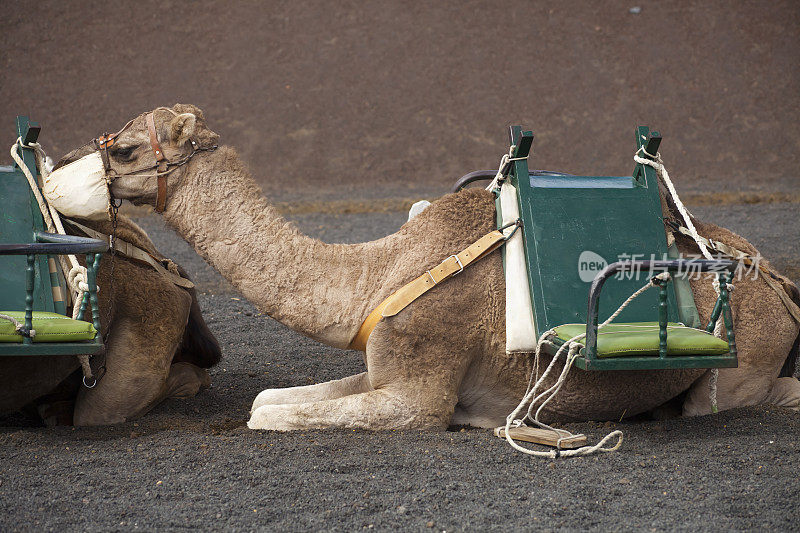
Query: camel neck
x=314, y=288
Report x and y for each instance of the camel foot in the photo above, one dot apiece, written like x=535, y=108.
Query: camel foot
x=785, y=393
x=329, y=390
x=185, y=380
x=376, y=409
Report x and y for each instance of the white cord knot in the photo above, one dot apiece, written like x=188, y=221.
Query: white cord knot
x=504, y=161
x=77, y=279
x=716, y=284
x=664, y=276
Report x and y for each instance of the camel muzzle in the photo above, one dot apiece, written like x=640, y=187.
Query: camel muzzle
x=80, y=189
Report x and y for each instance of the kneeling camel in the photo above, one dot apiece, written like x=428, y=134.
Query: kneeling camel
x=158, y=347
x=442, y=360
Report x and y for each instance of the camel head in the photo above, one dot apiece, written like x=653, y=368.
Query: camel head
x=133, y=163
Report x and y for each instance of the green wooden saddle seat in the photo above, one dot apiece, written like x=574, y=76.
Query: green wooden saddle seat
x=49, y=327
x=578, y=232
x=642, y=339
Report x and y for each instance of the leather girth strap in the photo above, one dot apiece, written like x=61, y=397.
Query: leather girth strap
x=401, y=298
x=134, y=252
x=161, y=160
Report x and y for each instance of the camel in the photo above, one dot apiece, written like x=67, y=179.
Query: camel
x=158, y=348
x=442, y=360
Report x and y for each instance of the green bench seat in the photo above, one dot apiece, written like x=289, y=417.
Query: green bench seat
x=49, y=327
x=641, y=339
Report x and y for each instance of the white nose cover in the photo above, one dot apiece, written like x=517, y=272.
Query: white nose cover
x=79, y=189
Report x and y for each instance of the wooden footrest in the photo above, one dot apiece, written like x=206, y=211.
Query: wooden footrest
x=541, y=436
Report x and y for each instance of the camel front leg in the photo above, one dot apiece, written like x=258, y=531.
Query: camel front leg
x=376, y=409
x=416, y=360
x=785, y=393
x=185, y=380
x=329, y=390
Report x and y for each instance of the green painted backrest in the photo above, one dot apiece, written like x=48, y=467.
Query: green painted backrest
x=574, y=225
x=19, y=219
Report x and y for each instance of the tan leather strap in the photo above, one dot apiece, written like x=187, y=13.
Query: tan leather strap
x=134, y=252
x=401, y=298
x=161, y=194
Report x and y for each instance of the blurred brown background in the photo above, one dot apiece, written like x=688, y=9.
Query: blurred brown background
x=378, y=99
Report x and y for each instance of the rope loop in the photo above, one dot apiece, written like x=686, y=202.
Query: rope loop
x=502, y=170
x=656, y=157
x=657, y=164
x=77, y=278
x=533, y=396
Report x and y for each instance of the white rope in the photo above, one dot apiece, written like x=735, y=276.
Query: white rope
x=659, y=167
x=530, y=399
x=507, y=158
x=661, y=170
x=19, y=327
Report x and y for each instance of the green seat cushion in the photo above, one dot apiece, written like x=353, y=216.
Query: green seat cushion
x=49, y=327
x=641, y=338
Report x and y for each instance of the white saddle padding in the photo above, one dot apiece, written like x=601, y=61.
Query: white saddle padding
x=79, y=189
x=520, y=333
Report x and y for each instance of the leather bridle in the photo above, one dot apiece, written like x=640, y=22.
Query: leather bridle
x=163, y=166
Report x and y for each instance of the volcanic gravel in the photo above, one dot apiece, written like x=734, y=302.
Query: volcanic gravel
x=194, y=464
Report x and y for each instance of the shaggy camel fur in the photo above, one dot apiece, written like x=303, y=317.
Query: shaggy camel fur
x=159, y=348
x=442, y=360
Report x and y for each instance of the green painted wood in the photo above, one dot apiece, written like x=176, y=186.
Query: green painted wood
x=51, y=348
x=650, y=141
x=727, y=317
x=657, y=363
x=55, y=281
x=687, y=309
x=20, y=219
x=574, y=223
x=92, y=263
x=30, y=281
x=663, y=313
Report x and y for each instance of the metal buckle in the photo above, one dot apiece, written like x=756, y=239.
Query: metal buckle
x=461, y=266
x=428, y=272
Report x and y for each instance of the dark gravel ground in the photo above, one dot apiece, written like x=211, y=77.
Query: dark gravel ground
x=194, y=464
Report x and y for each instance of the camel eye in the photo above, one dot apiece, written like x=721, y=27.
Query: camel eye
x=122, y=152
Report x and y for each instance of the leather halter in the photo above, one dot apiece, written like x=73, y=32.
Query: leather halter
x=161, y=194
x=107, y=140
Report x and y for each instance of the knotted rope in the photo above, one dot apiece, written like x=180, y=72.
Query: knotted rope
x=531, y=398
x=502, y=169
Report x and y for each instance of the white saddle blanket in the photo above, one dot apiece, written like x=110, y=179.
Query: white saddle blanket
x=520, y=332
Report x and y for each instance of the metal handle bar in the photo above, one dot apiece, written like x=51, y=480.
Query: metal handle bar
x=688, y=265
x=55, y=244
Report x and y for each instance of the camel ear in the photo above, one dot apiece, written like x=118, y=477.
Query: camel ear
x=181, y=128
